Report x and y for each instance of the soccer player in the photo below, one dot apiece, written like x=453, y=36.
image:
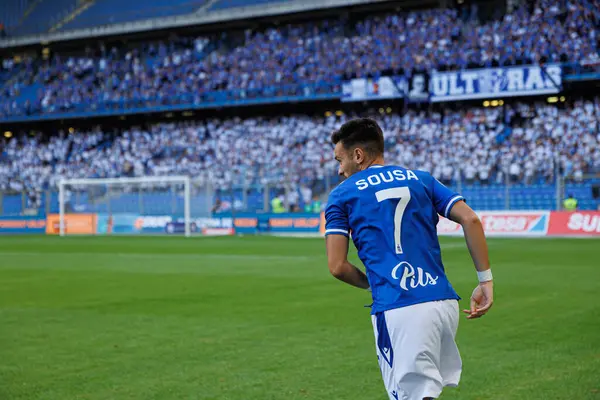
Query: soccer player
x=391, y=214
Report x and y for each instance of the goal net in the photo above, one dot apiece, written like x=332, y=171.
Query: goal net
x=147, y=205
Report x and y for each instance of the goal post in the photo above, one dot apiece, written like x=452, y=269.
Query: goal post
x=157, y=198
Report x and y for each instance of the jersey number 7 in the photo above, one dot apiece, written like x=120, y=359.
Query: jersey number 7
x=403, y=194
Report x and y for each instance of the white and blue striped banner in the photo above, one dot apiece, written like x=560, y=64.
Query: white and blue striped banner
x=489, y=83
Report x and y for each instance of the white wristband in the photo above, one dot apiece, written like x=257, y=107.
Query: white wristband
x=485, y=276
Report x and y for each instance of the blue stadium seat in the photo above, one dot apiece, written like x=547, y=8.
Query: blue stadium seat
x=45, y=14
x=12, y=204
x=54, y=207
x=104, y=12
x=12, y=11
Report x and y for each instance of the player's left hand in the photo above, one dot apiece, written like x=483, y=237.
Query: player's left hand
x=481, y=300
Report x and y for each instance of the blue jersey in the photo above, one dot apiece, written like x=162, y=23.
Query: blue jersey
x=391, y=213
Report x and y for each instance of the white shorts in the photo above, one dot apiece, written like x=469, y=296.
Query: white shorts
x=416, y=349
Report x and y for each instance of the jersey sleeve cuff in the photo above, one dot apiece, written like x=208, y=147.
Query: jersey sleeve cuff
x=334, y=231
x=451, y=203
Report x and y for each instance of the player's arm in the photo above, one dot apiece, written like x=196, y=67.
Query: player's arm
x=483, y=295
x=451, y=205
x=337, y=231
x=339, y=266
x=462, y=214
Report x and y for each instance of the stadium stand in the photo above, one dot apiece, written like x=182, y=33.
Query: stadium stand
x=26, y=17
x=478, y=149
x=310, y=58
x=12, y=12
x=41, y=15
x=102, y=12
x=500, y=157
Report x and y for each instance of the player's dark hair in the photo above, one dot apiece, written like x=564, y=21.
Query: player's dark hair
x=363, y=132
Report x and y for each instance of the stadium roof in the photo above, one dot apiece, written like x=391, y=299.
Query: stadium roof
x=200, y=17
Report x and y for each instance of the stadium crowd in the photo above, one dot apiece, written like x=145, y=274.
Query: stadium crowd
x=479, y=145
x=300, y=59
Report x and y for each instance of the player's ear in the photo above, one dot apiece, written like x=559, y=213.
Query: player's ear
x=358, y=155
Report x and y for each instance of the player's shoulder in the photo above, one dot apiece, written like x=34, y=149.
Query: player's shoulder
x=341, y=190
x=423, y=175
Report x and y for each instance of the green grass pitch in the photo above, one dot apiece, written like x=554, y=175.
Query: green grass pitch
x=260, y=318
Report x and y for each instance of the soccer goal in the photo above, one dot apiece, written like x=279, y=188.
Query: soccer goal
x=147, y=205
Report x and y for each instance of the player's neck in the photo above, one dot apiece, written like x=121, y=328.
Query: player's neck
x=376, y=161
